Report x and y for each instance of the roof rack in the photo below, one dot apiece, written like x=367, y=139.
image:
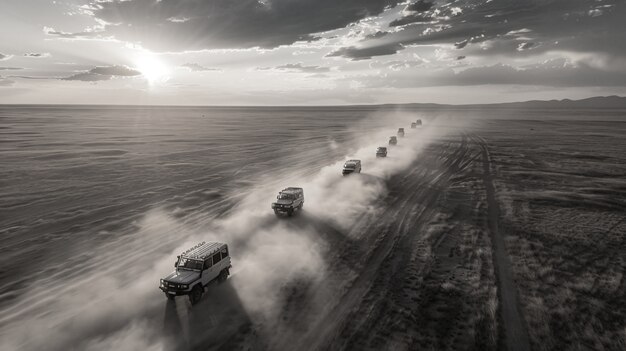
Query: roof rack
x=291, y=189
x=202, y=250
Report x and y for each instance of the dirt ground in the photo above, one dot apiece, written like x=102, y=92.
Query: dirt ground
x=488, y=242
x=492, y=235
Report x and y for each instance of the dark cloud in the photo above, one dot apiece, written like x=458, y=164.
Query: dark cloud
x=66, y=35
x=101, y=73
x=37, y=54
x=420, y=6
x=584, y=26
x=5, y=56
x=416, y=14
x=413, y=18
x=364, y=53
x=296, y=67
x=115, y=71
x=459, y=58
x=198, y=68
x=461, y=44
x=210, y=24
x=377, y=35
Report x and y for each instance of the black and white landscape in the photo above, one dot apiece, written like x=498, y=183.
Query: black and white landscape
x=131, y=131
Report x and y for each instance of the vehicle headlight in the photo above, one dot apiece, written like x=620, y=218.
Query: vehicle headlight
x=184, y=286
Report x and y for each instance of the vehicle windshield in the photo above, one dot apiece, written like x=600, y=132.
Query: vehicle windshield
x=189, y=264
x=283, y=196
x=382, y=149
x=349, y=165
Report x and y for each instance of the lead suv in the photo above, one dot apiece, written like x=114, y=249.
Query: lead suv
x=195, y=269
x=400, y=132
x=288, y=201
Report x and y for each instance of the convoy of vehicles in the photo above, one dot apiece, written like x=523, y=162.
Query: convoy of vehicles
x=351, y=166
x=195, y=269
x=288, y=201
x=381, y=151
x=205, y=263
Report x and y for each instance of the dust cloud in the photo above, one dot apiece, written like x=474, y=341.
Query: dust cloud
x=113, y=300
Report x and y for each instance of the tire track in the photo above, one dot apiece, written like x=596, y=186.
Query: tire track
x=513, y=324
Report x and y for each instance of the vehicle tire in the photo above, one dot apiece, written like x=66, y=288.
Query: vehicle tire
x=276, y=213
x=290, y=212
x=170, y=297
x=301, y=206
x=223, y=275
x=196, y=294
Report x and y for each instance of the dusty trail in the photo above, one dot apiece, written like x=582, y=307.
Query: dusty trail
x=516, y=335
x=368, y=299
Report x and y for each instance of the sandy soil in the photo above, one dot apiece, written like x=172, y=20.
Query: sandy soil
x=478, y=235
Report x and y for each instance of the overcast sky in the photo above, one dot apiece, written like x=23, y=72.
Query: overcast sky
x=309, y=52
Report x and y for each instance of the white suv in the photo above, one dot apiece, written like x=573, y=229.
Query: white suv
x=195, y=269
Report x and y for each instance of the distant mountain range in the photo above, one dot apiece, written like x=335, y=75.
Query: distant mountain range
x=598, y=102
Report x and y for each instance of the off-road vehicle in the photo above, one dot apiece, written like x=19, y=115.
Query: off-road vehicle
x=381, y=151
x=195, y=269
x=351, y=166
x=418, y=122
x=393, y=140
x=400, y=132
x=288, y=201
x=413, y=125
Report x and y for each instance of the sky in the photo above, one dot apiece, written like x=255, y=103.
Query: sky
x=309, y=52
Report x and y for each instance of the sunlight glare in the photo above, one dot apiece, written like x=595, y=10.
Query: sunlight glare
x=153, y=69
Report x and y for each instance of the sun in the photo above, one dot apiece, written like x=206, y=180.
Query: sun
x=153, y=69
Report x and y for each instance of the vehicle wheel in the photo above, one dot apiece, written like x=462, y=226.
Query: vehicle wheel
x=276, y=213
x=169, y=296
x=223, y=275
x=290, y=212
x=196, y=294
x=301, y=206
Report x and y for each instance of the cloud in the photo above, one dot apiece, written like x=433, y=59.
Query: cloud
x=552, y=73
x=364, y=53
x=66, y=35
x=37, y=54
x=556, y=25
x=5, y=56
x=10, y=68
x=525, y=46
x=419, y=6
x=194, y=67
x=4, y=82
x=101, y=73
x=297, y=67
x=197, y=25
x=413, y=18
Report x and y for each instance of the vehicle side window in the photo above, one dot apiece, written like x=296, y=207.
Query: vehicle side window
x=207, y=264
x=224, y=253
x=216, y=258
